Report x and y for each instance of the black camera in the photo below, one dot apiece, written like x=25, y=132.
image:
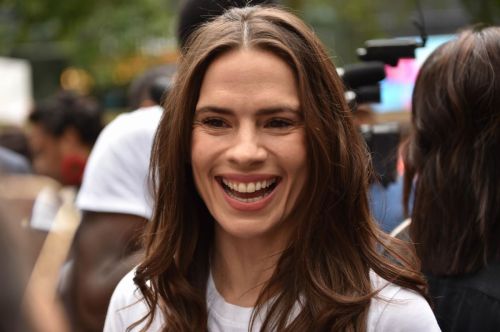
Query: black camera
x=362, y=85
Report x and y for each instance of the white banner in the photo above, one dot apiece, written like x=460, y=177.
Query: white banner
x=16, y=96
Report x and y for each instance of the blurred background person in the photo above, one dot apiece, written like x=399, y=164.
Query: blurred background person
x=151, y=87
x=19, y=187
x=13, y=163
x=18, y=312
x=452, y=163
x=62, y=131
x=13, y=276
x=15, y=154
x=115, y=202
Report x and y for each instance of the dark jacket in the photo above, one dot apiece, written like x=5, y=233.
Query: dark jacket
x=468, y=303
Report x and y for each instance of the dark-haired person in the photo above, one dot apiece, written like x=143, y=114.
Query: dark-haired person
x=115, y=202
x=150, y=87
x=453, y=163
x=261, y=218
x=63, y=130
x=61, y=133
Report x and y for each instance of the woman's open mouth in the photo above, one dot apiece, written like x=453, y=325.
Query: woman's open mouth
x=248, y=192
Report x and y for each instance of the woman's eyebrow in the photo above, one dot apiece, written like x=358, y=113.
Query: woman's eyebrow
x=262, y=111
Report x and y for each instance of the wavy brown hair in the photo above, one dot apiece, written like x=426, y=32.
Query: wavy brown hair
x=453, y=156
x=336, y=242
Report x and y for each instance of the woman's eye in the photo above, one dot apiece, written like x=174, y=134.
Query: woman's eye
x=215, y=123
x=279, y=123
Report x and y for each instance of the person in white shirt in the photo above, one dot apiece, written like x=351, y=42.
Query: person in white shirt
x=115, y=200
x=261, y=217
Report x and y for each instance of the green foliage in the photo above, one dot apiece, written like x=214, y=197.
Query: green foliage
x=91, y=34
x=99, y=35
x=485, y=11
x=115, y=32
x=343, y=25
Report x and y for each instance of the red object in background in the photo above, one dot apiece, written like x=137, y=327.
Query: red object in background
x=72, y=168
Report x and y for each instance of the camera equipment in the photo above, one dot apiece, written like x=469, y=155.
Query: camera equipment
x=359, y=74
x=363, y=78
x=388, y=51
x=362, y=86
x=364, y=94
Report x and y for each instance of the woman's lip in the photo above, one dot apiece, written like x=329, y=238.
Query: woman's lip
x=247, y=177
x=247, y=206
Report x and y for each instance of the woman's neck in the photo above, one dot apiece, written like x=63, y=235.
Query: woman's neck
x=242, y=267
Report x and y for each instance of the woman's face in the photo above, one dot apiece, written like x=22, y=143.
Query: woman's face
x=248, y=144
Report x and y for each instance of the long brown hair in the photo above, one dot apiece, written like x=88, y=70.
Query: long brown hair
x=453, y=157
x=330, y=253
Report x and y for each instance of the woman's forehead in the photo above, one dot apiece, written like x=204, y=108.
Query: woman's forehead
x=249, y=76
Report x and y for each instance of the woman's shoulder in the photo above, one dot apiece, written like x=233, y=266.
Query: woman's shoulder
x=127, y=306
x=126, y=291
x=396, y=308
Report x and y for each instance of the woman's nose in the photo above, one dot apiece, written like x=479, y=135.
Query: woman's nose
x=247, y=149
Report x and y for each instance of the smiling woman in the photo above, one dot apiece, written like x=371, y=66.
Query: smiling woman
x=261, y=217
x=249, y=134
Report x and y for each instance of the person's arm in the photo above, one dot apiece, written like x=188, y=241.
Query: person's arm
x=106, y=248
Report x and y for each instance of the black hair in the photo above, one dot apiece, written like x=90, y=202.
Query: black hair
x=69, y=110
x=153, y=84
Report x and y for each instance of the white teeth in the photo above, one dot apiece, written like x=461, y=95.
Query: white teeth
x=248, y=187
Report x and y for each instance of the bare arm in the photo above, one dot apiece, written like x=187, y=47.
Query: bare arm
x=106, y=248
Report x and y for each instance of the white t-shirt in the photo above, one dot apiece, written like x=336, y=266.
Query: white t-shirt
x=394, y=309
x=116, y=174
x=45, y=208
